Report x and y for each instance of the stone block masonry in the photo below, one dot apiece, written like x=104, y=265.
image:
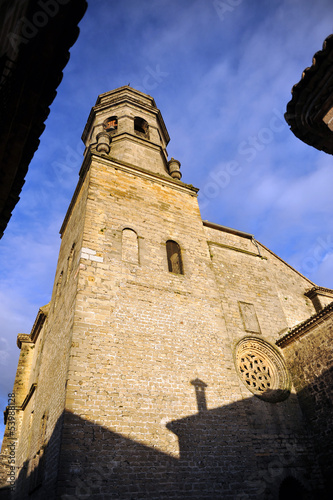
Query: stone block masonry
x=308, y=352
x=155, y=371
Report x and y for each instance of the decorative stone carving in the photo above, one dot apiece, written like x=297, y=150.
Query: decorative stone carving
x=262, y=369
x=103, y=142
x=23, y=337
x=174, y=169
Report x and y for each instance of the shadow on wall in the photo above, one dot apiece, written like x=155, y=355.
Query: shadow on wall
x=316, y=401
x=249, y=449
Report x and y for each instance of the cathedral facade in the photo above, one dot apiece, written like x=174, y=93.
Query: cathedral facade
x=177, y=358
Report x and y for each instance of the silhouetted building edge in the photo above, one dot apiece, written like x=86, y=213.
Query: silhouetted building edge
x=35, y=40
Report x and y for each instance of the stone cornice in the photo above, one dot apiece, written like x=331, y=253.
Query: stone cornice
x=315, y=290
x=226, y=229
x=22, y=406
x=147, y=174
x=23, y=338
x=305, y=326
x=250, y=236
x=39, y=322
x=37, y=326
x=92, y=154
x=28, y=396
x=235, y=249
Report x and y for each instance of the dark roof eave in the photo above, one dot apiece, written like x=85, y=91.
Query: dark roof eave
x=312, y=98
x=305, y=326
x=29, y=92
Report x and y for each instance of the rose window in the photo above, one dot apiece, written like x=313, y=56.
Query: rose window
x=262, y=369
x=255, y=372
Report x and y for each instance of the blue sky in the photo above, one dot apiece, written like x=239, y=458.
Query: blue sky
x=221, y=73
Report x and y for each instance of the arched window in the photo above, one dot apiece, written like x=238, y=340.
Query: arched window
x=174, y=256
x=110, y=124
x=140, y=125
x=130, y=247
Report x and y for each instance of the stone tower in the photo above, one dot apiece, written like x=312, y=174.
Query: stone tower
x=153, y=373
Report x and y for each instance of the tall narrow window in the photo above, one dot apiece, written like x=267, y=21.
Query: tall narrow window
x=58, y=289
x=141, y=125
x=130, y=247
x=174, y=256
x=70, y=262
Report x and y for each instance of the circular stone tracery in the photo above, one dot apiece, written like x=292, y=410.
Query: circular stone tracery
x=262, y=369
x=256, y=372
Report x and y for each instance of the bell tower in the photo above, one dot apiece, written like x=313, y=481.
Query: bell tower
x=126, y=125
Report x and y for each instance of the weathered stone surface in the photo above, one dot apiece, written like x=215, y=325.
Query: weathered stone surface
x=137, y=391
x=309, y=355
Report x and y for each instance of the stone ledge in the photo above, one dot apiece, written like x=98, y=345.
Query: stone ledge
x=300, y=330
x=227, y=229
x=28, y=396
x=125, y=167
x=309, y=293
x=23, y=338
x=236, y=249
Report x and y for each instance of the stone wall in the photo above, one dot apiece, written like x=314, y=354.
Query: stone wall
x=38, y=446
x=308, y=352
x=137, y=391
x=158, y=384
x=247, y=272
x=143, y=337
x=9, y=449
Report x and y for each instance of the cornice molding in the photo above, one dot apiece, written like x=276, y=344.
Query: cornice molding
x=226, y=229
x=28, y=396
x=35, y=331
x=23, y=338
x=92, y=155
x=318, y=290
x=304, y=327
x=235, y=249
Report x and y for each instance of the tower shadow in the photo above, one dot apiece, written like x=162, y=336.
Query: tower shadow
x=249, y=449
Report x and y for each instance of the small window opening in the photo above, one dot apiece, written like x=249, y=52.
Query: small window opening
x=58, y=286
x=70, y=262
x=110, y=124
x=140, y=125
x=175, y=263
